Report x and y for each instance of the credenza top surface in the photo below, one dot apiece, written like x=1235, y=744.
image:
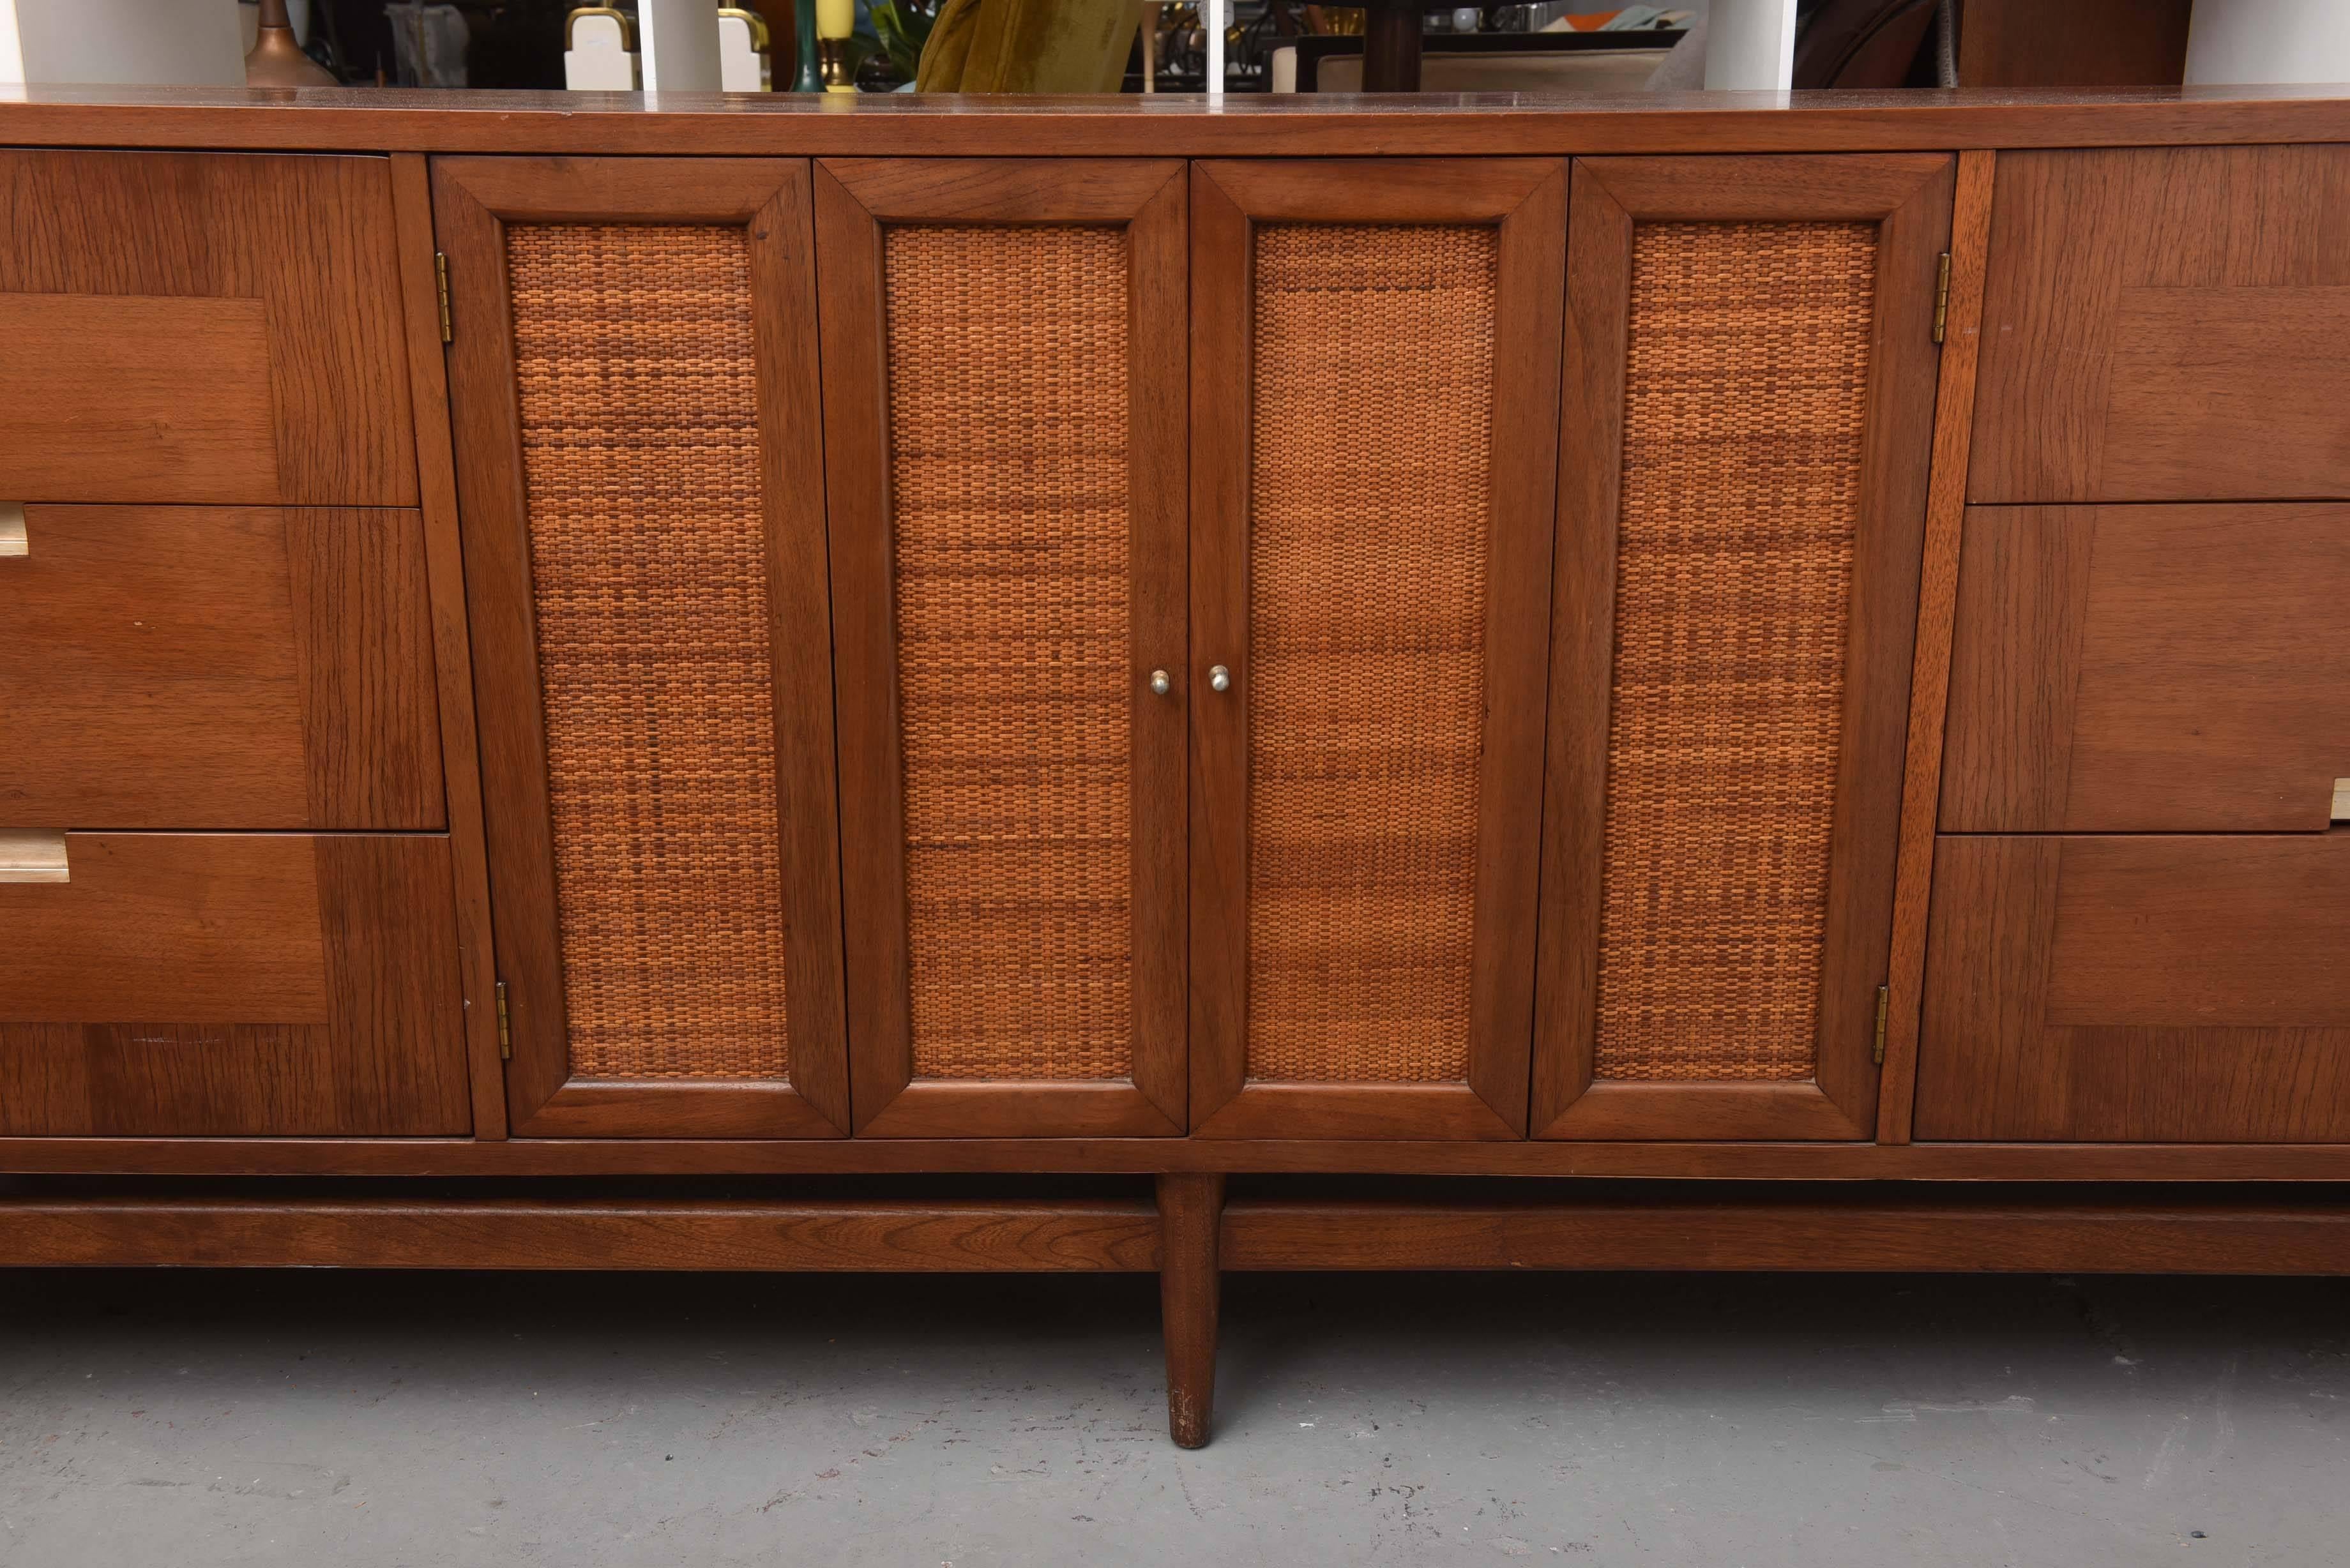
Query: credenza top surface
x=1164, y=125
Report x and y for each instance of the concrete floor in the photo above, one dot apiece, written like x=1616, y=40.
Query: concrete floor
x=366, y=1420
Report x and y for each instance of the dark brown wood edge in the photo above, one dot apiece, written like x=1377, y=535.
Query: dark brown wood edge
x=799, y=637
x=1656, y=1111
x=1146, y=198
x=1427, y=125
x=1763, y=1160
x=1908, y=197
x=885, y=1236
x=541, y=1100
x=640, y=190
x=1929, y=689
x=1583, y=630
x=1880, y=640
x=623, y=1108
x=1192, y=1239
x=486, y=424
x=1383, y=190
x=460, y=769
x=1009, y=1107
x=1159, y=553
x=1526, y=200
x=1996, y=1235
x=1263, y=1109
x=1529, y=309
x=1191, y=1288
x=1222, y=414
x=864, y=642
x=1828, y=187
x=999, y=191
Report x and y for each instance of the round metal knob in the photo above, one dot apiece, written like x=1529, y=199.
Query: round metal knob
x=1220, y=677
x=1160, y=684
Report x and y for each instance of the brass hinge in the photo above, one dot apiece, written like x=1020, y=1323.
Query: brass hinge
x=1941, y=298
x=441, y=278
x=505, y=1029
x=1878, y=1056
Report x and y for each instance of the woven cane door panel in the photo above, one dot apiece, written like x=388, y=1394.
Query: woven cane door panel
x=1007, y=385
x=1745, y=389
x=1373, y=381
x=633, y=353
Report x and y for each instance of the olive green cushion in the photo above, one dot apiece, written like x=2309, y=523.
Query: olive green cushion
x=1028, y=45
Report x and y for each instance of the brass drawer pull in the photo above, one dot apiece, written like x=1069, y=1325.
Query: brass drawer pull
x=1159, y=683
x=14, y=540
x=1219, y=678
x=34, y=856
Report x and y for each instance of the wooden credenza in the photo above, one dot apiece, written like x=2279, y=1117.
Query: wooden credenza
x=1788, y=647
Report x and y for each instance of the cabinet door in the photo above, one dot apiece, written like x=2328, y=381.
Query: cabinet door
x=634, y=382
x=1749, y=383
x=1004, y=431
x=1375, y=385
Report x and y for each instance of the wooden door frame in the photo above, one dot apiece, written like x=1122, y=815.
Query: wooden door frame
x=1908, y=196
x=855, y=199
x=1525, y=199
x=473, y=199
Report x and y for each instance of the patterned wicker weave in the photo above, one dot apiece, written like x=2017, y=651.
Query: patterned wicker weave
x=1748, y=366
x=632, y=345
x=1007, y=388
x=1373, y=367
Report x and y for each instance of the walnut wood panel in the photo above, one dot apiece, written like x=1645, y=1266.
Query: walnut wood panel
x=2180, y=987
x=476, y=201
x=233, y=985
x=234, y=320
x=91, y=377
x=226, y=667
x=2003, y=1234
x=897, y=714
x=878, y=1236
x=436, y=461
x=1374, y=998
x=719, y=1154
x=1937, y=1235
x=2150, y=668
x=911, y=124
x=1938, y=588
x=1908, y=200
x=2161, y=326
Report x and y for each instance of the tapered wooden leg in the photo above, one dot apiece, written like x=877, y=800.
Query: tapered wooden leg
x=1190, y=1210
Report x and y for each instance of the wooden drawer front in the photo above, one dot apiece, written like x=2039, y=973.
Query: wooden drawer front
x=2187, y=988
x=225, y=985
x=193, y=667
x=2166, y=324
x=200, y=328
x=2150, y=668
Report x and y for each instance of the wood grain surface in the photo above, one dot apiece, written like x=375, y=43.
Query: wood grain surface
x=235, y=320
x=2167, y=987
x=2159, y=325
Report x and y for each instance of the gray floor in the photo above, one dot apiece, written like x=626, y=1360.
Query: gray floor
x=316, y=1419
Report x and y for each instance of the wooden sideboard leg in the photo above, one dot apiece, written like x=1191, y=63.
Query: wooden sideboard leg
x=1191, y=1212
